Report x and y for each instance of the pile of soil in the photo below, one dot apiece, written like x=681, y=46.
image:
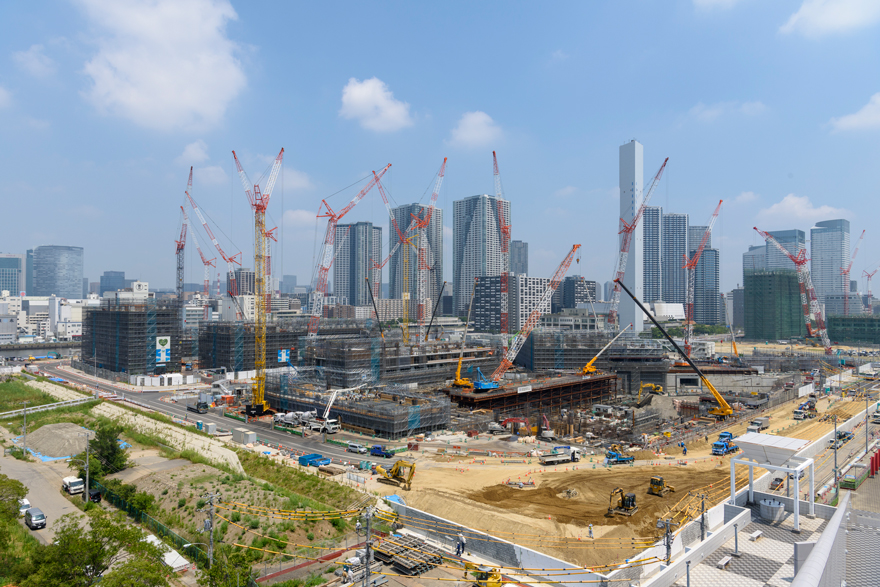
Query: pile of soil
x=59, y=440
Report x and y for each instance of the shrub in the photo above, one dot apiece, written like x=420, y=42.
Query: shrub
x=310, y=536
x=180, y=503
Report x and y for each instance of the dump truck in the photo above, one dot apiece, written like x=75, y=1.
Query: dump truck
x=379, y=451
x=623, y=504
x=306, y=460
x=723, y=447
x=726, y=437
x=659, y=487
x=554, y=458
x=615, y=456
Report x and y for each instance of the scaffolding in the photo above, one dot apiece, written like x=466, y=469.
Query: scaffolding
x=120, y=336
x=389, y=411
x=772, y=305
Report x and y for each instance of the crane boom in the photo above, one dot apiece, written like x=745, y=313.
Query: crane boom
x=588, y=368
x=504, y=232
x=422, y=272
x=316, y=307
x=723, y=410
x=627, y=229
x=845, y=274
x=533, y=318
x=690, y=265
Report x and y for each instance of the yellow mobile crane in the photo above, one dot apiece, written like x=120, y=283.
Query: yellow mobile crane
x=483, y=576
x=459, y=382
x=723, y=410
x=588, y=368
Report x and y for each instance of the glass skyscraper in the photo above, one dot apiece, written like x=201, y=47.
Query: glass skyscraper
x=58, y=271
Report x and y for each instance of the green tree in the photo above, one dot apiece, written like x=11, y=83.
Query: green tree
x=106, y=447
x=96, y=467
x=231, y=568
x=140, y=572
x=80, y=556
x=11, y=490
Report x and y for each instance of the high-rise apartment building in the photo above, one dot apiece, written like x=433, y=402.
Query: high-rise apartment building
x=524, y=293
x=695, y=237
x=794, y=241
x=631, y=181
x=58, y=270
x=707, y=294
x=519, y=257
x=111, y=281
x=288, y=284
x=674, y=248
x=358, y=247
x=576, y=290
x=524, y=298
x=653, y=272
x=607, y=291
x=476, y=246
x=12, y=273
x=755, y=259
x=403, y=215
x=829, y=253
x=245, y=281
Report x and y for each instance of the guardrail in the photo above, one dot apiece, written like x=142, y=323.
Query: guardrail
x=47, y=407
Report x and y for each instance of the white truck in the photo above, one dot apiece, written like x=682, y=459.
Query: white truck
x=330, y=426
x=758, y=424
x=72, y=485
x=573, y=452
x=560, y=455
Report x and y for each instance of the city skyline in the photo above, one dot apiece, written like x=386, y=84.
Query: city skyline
x=348, y=115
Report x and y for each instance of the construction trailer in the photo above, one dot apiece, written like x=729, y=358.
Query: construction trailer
x=121, y=336
x=389, y=411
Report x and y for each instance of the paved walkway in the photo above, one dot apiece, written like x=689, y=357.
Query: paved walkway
x=863, y=538
x=767, y=562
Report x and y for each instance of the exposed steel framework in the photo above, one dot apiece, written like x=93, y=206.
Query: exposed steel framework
x=206, y=262
x=869, y=275
x=691, y=266
x=627, y=229
x=504, y=232
x=809, y=301
x=420, y=225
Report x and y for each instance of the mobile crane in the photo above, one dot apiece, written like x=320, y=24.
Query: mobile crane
x=723, y=410
x=459, y=382
x=588, y=368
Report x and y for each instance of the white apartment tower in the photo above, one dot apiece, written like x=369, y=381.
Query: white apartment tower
x=476, y=244
x=829, y=253
x=403, y=215
x=631, y=182
x=675, y=247
x=358, y=247
x=653, y=271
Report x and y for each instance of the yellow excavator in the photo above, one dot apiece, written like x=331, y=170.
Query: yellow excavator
x=659, y=487
x=401, y=473
x=653, y=387
x=723, y=410
x=588, y=368
x=465, y=382
x=483, y=576
x=625, y=504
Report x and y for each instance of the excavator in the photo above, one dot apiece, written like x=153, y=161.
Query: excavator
x=588, y=368
x=401, y=473
x=723, y=410
x=625, y=504
x=459, y=382
x=483, y=576
x=659, y=487
x=654, y=389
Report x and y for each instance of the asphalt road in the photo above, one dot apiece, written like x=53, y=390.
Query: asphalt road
x=43, y=481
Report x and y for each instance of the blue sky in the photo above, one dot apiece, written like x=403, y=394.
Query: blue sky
x=772, y=107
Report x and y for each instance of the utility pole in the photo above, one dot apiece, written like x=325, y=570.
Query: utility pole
x=369, y=515
x=24, y=430
x=667, y=538
x=702, y=517
x=209, y=524
x=836, y=488
x=86, y=492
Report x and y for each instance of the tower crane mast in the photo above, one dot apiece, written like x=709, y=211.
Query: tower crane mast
x=869, y=275
x=535, y=315
x=504, y=233
x=421, y=224
x=259, y=201
x=845, y=275
x=326, y=257
x=627, y=229
x=691, y=266
x=181, y=245
x=809, y=301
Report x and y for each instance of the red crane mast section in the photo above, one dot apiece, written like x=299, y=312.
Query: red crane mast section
x=691, y=266
x=845, y=274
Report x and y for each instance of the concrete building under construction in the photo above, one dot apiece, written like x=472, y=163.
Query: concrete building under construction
x=633, y=359
x=134, y=336
x=772, y=305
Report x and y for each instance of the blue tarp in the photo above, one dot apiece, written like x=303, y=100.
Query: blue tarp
x=395, y=498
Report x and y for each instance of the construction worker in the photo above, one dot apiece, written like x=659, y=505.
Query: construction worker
x=461, y=544
x=685, y=450
x=591, y=530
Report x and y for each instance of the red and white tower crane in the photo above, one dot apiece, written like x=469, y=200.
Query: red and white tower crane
x=420, y=224
x=627, y=229
x=231, y=260
x=534, y=317
x=691, y=266
x=844, y=272
x=181, y=245
x=208, y=263
x=809, y=301
x=316, y=305
x=869, y=275
x=504, y=233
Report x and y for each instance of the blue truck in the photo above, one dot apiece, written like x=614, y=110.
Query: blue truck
x=320, y=461
x=379, y=451
x=615, y=456
x=724, y=445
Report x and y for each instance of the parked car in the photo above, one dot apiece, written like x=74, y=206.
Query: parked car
x=777, y=483
x=23, y=506
x=35, y=519
x=356, y=448
x=95, y=495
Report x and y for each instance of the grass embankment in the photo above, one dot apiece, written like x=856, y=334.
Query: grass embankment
x=15, y=391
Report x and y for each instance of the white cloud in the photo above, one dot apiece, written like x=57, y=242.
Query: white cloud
x=372, y=104
x=193, y=154
x=37, y=123
x=817, y=18
x=711, y=112
x=745, y=198
x=868, y=118
x=295, y=180
x=163, y=64
x=475, y=129
x=34, y=61
x=712, y=4
x=299, y=218
x=210, y=175
x=792, y=209
x=5, y=98
x=565, y=192
x=559, y=55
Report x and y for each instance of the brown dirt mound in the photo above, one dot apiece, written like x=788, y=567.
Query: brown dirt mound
x=59, y=440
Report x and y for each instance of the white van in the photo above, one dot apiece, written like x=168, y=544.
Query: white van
x=35, y=519
x=23, y=506
x=356, y=448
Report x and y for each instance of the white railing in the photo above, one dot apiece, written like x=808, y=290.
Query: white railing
x=46, y=407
